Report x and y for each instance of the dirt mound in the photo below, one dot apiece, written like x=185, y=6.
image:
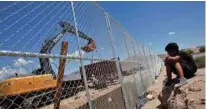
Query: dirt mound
x=189, y=96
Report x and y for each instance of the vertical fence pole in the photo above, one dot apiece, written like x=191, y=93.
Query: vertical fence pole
x=138, y=64
x=156, y=64
x=152, y=56
x=147, y=61
x=116, y=59
x=152, y=67
x=80, y=54
x=61, y=68
x=124, y=36
x=152, y=63
x=135, y=80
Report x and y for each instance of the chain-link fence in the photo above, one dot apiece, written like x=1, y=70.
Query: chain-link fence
x=70, y=55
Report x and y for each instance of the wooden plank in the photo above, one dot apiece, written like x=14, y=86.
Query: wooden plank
x=61, y=68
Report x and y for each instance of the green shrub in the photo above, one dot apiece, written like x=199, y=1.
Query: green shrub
x=202, y=49
x=189, y=51
x=200, y=61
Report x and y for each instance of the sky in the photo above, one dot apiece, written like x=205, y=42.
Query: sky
x=25, y=25
x=155, y=24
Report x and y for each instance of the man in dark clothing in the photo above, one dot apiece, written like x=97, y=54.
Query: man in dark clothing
x=180, y=63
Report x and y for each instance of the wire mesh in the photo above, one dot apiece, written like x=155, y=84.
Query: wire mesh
x=114, y=76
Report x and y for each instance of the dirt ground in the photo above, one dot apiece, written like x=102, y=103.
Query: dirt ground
x=81, y=99
x=190, y=95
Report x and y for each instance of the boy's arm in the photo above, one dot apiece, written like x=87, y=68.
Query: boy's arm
x=176, y=58
x=173, y=59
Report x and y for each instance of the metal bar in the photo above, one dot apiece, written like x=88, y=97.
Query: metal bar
x=41, y=55
x=147, y=61
x=61, y=68
x=80, y=54
x=135, y=80
x=137, y=64
x=152, y=63
x=116, y=59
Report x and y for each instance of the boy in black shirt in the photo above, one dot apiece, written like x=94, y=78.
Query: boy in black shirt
x=180, y=63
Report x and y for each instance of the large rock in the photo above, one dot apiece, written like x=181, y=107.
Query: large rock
x=189, y=96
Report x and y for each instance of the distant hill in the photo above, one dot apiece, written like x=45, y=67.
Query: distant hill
x=72, y=76
x=162, y=56
x=196, y=50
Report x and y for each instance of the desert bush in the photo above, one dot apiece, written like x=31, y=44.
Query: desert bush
x=200, y=61
x=202, y=49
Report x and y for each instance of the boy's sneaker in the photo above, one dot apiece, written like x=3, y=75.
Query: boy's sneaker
x=181, y=82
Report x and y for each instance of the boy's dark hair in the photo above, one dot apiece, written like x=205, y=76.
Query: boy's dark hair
x=172, y=46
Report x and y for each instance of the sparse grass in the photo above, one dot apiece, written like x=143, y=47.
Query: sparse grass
x=200, y=61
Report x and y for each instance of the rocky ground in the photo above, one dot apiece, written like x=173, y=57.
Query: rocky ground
x=189, y=96
x=81, y=99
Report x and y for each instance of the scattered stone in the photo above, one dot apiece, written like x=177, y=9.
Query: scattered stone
x=156, y=77
x=189, y=96
x=191, y=89
x=155, y=81
x=109, y=99
x=77, y=97
x=203, y=99
x=202, y=102
x=191, y=100
x=194, y=90
x=150, y=97
x=198, y=89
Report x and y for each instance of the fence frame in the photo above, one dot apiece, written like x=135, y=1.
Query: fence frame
x=116, y=59
x=152, y=60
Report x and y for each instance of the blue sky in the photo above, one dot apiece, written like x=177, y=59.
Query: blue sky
x=157, y=23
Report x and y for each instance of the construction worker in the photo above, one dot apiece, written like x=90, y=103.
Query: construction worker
x=180, y=63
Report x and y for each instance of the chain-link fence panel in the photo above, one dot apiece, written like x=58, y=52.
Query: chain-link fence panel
x=128, y=67
x=70, y=55
x=102, y=75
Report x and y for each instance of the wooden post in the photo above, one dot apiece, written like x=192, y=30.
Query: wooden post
x=61, y=68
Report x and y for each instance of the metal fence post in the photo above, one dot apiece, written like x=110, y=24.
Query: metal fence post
x=132, y=43
x=147, y=61
x=80, y=54
x=157, y=65
x=152, y=63
x=124, y=36
x=116, y=59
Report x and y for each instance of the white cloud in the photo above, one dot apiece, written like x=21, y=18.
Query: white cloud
x=21, y=62
x=6, y=72
x=172, y=33
x=76, y=53
x=150, y=43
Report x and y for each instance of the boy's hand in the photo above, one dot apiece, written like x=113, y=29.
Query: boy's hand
x=176, y=58
x=170, y=59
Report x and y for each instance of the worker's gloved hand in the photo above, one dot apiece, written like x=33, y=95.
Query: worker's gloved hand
x=89, y=47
